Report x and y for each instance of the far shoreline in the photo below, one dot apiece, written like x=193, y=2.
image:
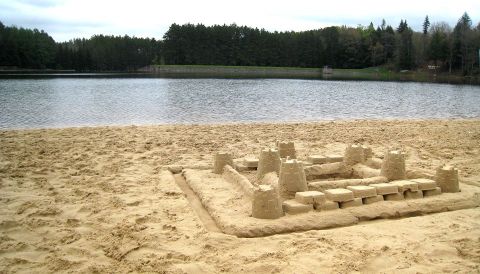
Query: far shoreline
x=252, y=72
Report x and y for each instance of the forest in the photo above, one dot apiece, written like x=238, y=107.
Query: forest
x=453, y=50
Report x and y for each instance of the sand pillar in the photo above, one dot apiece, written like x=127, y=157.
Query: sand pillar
x=292, y=179
x=367, y=152
x=269, y=161
x=354, y=154
x=393, y=166
x=447, y=178
x=266, y=203
x=286, y=149
x=222, y=159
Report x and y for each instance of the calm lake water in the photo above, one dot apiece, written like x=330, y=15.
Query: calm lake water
x=65, y=102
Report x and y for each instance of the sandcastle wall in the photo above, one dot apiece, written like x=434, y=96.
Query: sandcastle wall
x=232, y=176
x=271, y=179
x=324, y=185
x=327, y=169
x=364, y=171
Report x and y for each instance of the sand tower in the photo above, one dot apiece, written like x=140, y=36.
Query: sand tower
x=291, y=179
x=393, y=165
x=354, y=154
x=222, y=159
x=266, y=203
x=367, y=152
x=286, y=149
x=447, y=178
x=269, y=161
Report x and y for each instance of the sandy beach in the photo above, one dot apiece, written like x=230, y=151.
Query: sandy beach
x=101, y=200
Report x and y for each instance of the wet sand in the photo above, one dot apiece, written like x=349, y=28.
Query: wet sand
x=99, y=200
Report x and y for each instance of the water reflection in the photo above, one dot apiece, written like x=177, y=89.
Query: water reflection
x=61, y=102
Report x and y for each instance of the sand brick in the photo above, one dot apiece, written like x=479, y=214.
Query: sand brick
x=339, y=194
x=294, y=207
x=404, y=185
x=328, y=205
x=432, y=192
x=310, y=197
x=317, y=159
x=385, y=188
x=334, y=158
x=352, y=203
x=371, y=200
x=362, y=191
x=413, y=194
x=394, y=197
x=425, y=184
x=250, y=162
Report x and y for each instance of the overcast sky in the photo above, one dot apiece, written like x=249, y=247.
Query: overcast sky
x=67, y=19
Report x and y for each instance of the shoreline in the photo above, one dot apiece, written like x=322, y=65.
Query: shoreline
x=268, y=123
x=254, y=72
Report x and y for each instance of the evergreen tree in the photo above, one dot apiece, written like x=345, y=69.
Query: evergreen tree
x=463, y=48
x=405, y=51
x=426, y=25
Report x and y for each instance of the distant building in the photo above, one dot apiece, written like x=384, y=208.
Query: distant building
x=327, y=70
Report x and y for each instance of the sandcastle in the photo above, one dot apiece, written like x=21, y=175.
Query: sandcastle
x=321, y=191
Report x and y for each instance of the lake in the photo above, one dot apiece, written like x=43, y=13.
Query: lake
x=68, y=102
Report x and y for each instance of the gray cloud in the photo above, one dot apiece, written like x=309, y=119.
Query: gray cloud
x=41, y=3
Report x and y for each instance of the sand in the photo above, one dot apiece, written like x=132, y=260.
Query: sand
x=100, y=200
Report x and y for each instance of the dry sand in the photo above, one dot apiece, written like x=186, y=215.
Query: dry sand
x=97, y=200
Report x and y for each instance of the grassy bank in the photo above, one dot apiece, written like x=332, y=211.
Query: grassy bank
x=367, y=74
x=204, y=71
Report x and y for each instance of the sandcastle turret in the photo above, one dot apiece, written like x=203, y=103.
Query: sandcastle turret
x=222, y=159
x=393, y=165
x=266, y=203
x=354, y=154
x=268, y=161
x=447, y=178
x=286, y=149
x=291, y=179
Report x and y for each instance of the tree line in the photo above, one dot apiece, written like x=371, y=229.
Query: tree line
x=451, y=49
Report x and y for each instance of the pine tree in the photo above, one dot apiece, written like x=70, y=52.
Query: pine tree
x=426, y=25
x=405, y=54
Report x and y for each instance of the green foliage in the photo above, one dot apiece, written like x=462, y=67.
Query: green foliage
x=107, y=53
x=26, y=48
x=405, y=50
x=232, y=45
x=465, y=48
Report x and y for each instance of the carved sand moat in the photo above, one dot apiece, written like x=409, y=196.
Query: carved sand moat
x=290, y=194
